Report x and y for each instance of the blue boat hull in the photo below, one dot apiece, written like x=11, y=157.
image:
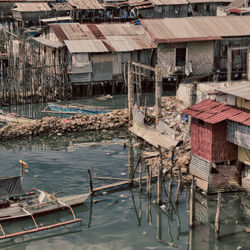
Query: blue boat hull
x=75, y=110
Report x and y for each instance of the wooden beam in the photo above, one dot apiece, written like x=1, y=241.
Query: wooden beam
x=229, y=64
x=143, y=66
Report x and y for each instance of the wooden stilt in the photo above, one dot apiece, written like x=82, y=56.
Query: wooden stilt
x=191, y=204
x=178, y=185
x=159, y=179
x=217, y=217
x=130, y=93
x=158, y=93
x=90, y=181
x=140, y=176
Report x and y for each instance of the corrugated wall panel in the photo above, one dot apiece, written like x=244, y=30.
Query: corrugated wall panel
x=81, y=78
x=102, y=71
x=222, y=150
x=200, y=168
x=238, y=134
x=117, y=65
x=201, y=139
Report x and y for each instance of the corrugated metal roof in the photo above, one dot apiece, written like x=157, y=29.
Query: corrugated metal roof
x=210, y=1
x=214, y=112
x=61, y=6
x=197, y=28
x=115, y=37
x=47, y=42
x=86, y=4
x=31, y=7
x=85, y=46
x=169, y=2
x=241, y=90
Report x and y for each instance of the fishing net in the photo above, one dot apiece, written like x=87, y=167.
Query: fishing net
x=11, y=186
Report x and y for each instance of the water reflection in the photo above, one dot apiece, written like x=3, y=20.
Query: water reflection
x=128, y=219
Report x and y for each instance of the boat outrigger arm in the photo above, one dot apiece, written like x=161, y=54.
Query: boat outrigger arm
x=37, y=228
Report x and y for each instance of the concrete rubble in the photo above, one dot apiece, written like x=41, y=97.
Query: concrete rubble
x=57, y=126
x=171, y=114
x=53, y=126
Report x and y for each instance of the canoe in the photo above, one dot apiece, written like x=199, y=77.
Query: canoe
x=26, y=208
x=78, y=109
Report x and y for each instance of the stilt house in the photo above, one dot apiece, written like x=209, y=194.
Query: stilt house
x=95, y=54
x=199, y=47
x=239, y=129
x=213, y=145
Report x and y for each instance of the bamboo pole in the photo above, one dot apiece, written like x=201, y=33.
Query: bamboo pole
x=90, y=181
x=159, y=179
x=145, y=107
x=178, y=185
x=130, y=93
x=217, y=217
x=158, y=93
x=140, y=176
x=191, y=204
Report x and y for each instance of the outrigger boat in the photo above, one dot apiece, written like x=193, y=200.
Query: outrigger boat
x=76, y=109
x=15, y=204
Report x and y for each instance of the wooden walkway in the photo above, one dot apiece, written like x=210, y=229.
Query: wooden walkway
x=153, y=136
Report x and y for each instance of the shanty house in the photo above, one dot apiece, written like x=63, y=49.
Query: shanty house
x=86, y=10
x=216, y=132
x=96, y=53
x=28, y=14
x=199, y=46
x=206, y=7
x=210, y=149
x=239, y=127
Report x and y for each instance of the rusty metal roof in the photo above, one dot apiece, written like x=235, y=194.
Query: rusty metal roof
x=86, y=46
x=213, y=112
x=241, y=90
x=61, y=6
x=210, y=1
x=169, y=2
x=196, y=28
x=115, y=37
x=31, y=7
x=86, y=4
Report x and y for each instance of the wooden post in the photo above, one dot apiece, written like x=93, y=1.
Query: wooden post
x=133, y=173
x=191, y=204
x=149, y=181
x=130, y=157
x=158, y=93
x=178, y=185
x=248, y=64
x=159, y=225
x=138, y=87
x=217, y=217
x=130, y=93
x=170, y=191
x=229, y=64
x=140, y=176
x=146, y=107
x=90, y=181
x=159, y=179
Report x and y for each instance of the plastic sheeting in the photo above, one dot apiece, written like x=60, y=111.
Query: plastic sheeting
x=11, y=186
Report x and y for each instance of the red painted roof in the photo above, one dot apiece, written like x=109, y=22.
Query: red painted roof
x=213, y=112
